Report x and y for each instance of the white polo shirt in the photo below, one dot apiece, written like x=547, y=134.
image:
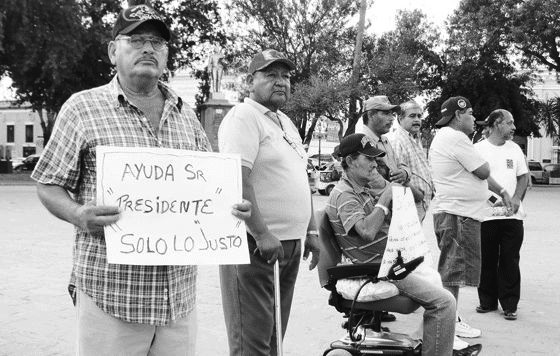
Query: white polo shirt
x=278, y=166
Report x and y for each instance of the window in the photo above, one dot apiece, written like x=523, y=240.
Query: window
x=10, y=133
x=28, y=133
x=535, y=166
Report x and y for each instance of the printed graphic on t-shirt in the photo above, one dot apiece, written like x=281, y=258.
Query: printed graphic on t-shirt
x=509, y=163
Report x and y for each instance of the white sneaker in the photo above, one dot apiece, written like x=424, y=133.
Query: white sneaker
x=463, y=329
x=459, y=344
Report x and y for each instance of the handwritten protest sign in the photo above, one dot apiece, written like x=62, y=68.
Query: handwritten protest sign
x=176, y=206
x=405, y=232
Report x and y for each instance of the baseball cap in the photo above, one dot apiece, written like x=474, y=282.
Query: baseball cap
x=357, y=142
x=265, y=58
x=492, y=117
x=380, y=102
x=133, y=16
x=449, y=107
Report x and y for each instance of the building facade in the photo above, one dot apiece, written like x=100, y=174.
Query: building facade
x=545, y=149
x=21, y=134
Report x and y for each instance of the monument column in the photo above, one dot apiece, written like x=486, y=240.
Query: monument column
x=217, y=106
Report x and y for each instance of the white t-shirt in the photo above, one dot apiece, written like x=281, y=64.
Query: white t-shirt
x=507, y=162
x=458, y=191
x=278, y=166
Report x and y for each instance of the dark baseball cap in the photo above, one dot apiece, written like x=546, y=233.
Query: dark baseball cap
x=449, y=107
x=265, y=58
x=134, y=16
x=360, y=143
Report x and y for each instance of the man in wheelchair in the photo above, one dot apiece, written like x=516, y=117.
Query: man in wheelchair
x=360, y=224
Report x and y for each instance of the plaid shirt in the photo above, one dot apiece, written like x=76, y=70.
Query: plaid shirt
x=103, y=116
x=409, y=151
x=348, y=204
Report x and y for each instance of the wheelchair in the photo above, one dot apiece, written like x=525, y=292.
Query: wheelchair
x=364, y=333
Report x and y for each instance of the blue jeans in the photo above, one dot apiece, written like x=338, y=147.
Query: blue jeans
x=248, y=300
x=439, y=313
x=458, y=239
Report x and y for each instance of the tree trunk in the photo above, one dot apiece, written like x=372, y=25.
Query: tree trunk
x=356, y=70
x=47, y=124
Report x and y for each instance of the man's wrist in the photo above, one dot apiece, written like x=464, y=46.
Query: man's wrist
x=312, y=233
x=382, y=207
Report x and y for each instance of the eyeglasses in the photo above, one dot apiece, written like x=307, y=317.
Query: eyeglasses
x=139, y=41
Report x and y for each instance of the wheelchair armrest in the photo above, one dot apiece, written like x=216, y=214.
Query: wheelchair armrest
x=353, y=271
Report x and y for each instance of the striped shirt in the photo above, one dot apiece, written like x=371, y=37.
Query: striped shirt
x=409, y=151
x=103, y=116
x=348, y=204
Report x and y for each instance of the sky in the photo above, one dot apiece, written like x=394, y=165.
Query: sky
x=381, y=15
x=382, y=12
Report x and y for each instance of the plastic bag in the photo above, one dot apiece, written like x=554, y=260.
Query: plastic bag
x=405, y=232
x=371, y=292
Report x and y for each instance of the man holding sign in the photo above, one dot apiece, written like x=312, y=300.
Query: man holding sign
x=361, y=222
x=275, y=181
x=122, y=309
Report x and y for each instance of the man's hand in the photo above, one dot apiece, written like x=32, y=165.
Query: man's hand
x=93, y=218
x=398, y=176
x=506, y=200
x=269, y=247
x=311, y=245
x=242, y=210
x=515, y=204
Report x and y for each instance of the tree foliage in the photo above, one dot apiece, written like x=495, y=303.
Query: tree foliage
x=404, y=63
x=319, y=97
x=477, y=65
x=314, y=34
x=52, y=49
x=530, y=27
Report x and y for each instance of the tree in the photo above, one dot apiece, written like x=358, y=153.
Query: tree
x=477, y=65
x=356, y=70
x=312, y=33
x=319, y=97
x=530, y=27
x=51, y=49
x=404, y=63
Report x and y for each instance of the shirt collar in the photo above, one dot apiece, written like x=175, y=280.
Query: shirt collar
x=356, y=187
x=401, y=130
x=261, y=108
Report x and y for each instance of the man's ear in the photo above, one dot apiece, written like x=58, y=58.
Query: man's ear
x=111, y=50
x=250, y=79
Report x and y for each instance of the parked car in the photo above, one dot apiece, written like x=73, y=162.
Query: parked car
x=538, y=174
x=326, y=159
x=312, y=176
x=28, y=164
x=553, y=173
x=328, y=178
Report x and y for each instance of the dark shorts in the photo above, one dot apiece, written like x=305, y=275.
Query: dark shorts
x=458, y=239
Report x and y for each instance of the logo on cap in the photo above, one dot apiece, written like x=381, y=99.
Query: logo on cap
x=365, y=140
x=141, y=13
x=461, y=103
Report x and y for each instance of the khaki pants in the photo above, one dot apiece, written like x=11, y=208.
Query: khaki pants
x=102, y=334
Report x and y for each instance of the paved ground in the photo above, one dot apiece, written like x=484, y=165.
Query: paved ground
x=38, y=318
